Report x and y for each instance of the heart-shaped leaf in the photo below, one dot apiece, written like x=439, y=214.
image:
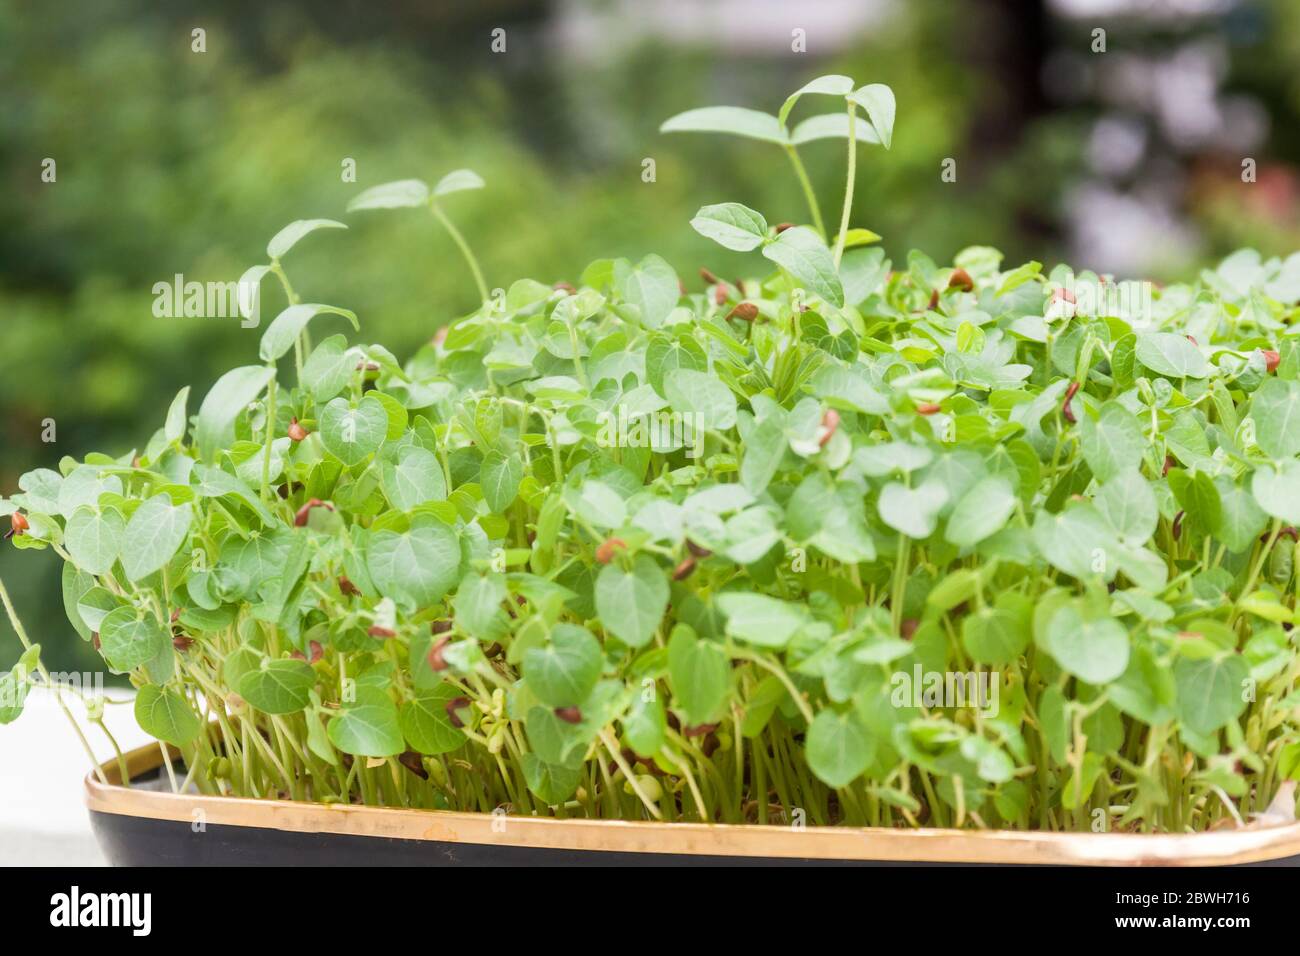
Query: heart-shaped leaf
x=128, y=640
x=353, y=433
x=368, y=729
x=710, y=403
x=1167, y=353
x=761, y=620
x=1092, y=648
x=1275, y=409
x=731, y=225
x=803, y=254
x=427, y=725
x=278, y=687
x=94, y=538
x=499, y=478
x=416, y=567
x=563, y=672
x=839, y=748
x=701, y=676
x=631, y=603
x=1211, y=691
x=652, y=288
x=414, y=478
x=153, y=535
x=166, y=715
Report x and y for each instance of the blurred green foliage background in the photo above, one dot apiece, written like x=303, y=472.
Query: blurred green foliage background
x=171, y=161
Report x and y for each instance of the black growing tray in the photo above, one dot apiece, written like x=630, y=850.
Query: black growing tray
x=146, y=825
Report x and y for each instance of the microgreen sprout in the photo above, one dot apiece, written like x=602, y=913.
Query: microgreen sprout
x=414, y=192
x=876, y=99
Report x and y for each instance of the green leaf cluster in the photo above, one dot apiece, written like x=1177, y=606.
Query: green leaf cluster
x=628, y=548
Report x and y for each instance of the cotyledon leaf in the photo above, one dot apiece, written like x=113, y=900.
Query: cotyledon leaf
x=288, y=325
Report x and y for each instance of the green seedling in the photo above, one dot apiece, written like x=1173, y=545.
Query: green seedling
x=406, y=193
x=876, y=99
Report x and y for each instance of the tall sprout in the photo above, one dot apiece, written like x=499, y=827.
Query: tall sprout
x=405, y=193
x=876, y=99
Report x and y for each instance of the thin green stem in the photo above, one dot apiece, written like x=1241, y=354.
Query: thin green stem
x=612, y=746
x=122, y=770
x=806, y=184
x=779, y=673
x=1256, y=567
x=45, y=674
x=270, y=438
x=899, y=588
x=302, y=344
x=577, y=357
x=848, y=184
x=167, y=763
x=465, y=251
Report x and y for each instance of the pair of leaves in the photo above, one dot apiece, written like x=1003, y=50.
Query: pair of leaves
x=405, y=193
x=876, y=99
x=797, y=250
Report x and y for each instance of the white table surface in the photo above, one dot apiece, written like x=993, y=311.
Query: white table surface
x=43, y=821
